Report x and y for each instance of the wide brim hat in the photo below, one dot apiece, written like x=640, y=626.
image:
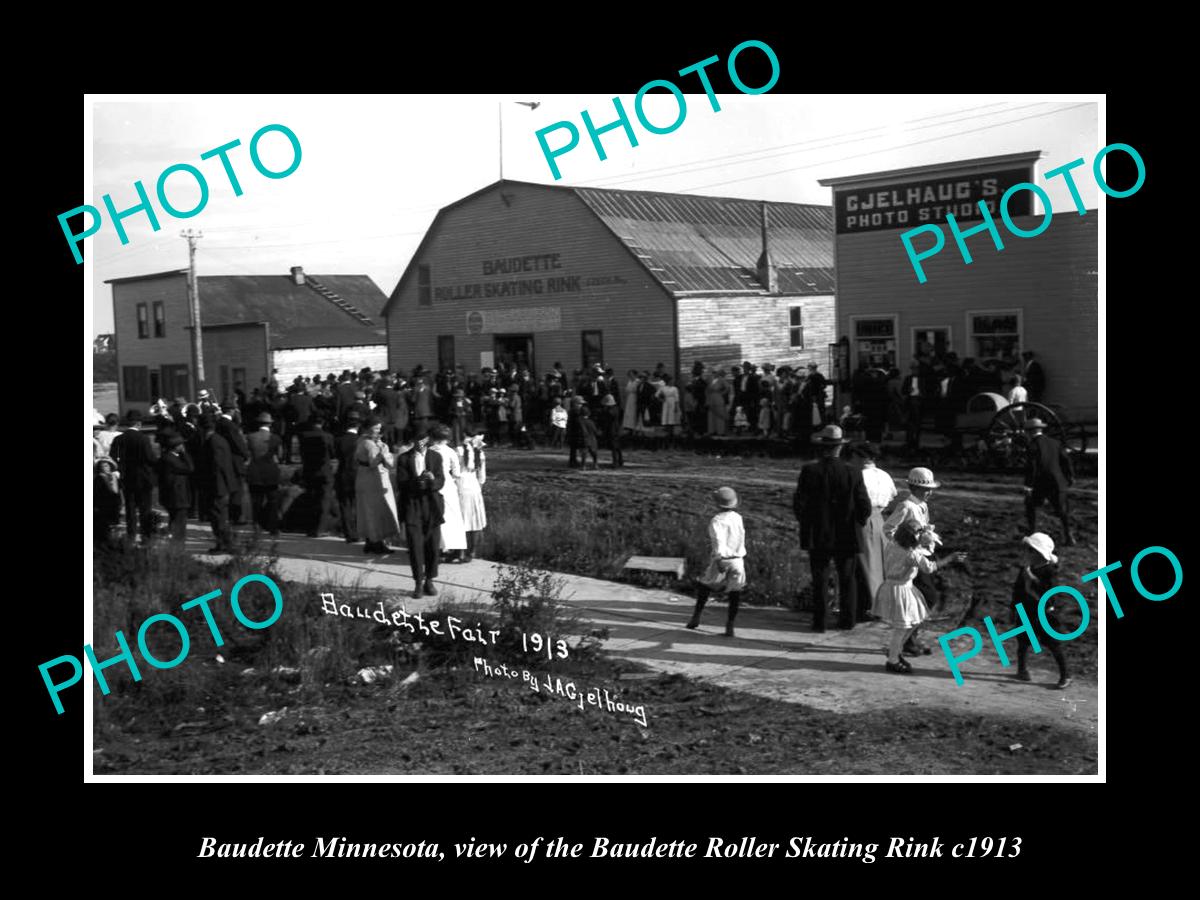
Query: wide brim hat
x=609, y=400
x=829, y=436
x=203, y=395
x=264, y=419
x=1034, y=423
x=1043, y=544
x=725, y=497
x=922, y=477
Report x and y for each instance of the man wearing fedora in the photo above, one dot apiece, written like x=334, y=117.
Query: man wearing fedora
x=831, y=504
x=1048, y=474
x=420, y=477
x=136, y=457
x=262, y=474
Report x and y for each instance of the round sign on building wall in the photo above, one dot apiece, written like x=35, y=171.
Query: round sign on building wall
x=474, y=323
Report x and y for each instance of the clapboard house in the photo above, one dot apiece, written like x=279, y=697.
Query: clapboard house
x=539, y=274
x=297, y=324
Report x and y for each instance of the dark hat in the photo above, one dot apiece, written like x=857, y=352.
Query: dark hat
x=353, y=417
x=264, y=418
x=459, y=392
x=227, y=405
x=133, y=416
x=174, y=440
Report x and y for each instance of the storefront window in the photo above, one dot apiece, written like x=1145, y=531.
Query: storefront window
x=875, y=342
x=995, y=334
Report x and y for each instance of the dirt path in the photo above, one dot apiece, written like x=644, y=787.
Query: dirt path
x=775, y=655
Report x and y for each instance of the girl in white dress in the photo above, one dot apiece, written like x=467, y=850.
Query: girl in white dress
x=899, y=602
x=453, y=535
x=470, y=490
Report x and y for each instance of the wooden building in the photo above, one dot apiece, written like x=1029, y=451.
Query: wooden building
x=297, y=324
x=544, y=274
x=1039, y=293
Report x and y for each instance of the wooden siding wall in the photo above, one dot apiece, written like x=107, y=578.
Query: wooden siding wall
x=309, y=361
x=725, y=331
x=241, y=346
x=154, y=353
x=1051, y=278
x=616, y=294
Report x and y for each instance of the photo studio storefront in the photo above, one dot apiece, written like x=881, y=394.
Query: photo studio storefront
x=1038, y=294
x=534, y=275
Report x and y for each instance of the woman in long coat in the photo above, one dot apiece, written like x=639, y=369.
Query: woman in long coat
x=881, y=490
x=453, y=535
x=718, y=403
x=375, y=499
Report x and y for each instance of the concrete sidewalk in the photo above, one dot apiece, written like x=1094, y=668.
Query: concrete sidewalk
x=775, y=654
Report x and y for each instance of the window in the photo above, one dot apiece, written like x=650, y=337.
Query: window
x=136, y=382
x=593, y=348
x=796, y=327
x=175, y=381
x=424, y=285
x=143, y=321
x=445, y=353
x=160, y=320
x=875, y=341
x=994, y=334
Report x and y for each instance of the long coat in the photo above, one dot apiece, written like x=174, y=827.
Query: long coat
x=830, y=502
x=1047, y=464
x=420, y=497
x=175, y=480
x=375, y=503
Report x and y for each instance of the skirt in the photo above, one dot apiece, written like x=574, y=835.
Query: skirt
x=453, y=535
x=900, y=605
x=870, y=551
x=725, y=575
x=470, y=496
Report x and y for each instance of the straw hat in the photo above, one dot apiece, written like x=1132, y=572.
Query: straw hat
x=1043, y=544
x=608, y=400
x=830, y=435
x=1033, y=423
x=922, y=477
x=725, y=497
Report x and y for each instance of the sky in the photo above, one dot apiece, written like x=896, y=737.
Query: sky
x=375, y=169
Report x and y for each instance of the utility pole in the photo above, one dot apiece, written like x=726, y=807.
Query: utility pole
x=194, y=300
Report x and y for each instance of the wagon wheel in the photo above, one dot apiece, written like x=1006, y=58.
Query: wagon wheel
x=1006, y=438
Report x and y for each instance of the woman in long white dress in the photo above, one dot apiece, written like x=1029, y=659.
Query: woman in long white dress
x=630, y=420
x=375, y=500
x=470, y=490
x=669, y=394
x=453, y=535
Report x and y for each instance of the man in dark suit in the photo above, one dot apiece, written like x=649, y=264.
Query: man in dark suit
x=343, y=395
x=913, y=389
x=1048, y=474
x=1035, y=377
x=346, y=475
x=831, y=502
x=136, y=457
x=317, y=453
x=262, y=474
x=297, y=413
x=389, y=401
x=419, y=478
x=218, y=479
x=175, y=486
x=231, y=429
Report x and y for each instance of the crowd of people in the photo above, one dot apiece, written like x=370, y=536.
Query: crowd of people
x=881, y=547
x=384, y=457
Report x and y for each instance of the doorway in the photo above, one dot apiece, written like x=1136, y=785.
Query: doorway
x=514, y=350
x=931, y=342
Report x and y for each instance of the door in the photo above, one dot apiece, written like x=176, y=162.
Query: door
x=931, y=342
x=515, y=350
x=175, y=381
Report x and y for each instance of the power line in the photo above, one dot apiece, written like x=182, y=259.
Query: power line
x=688, y=168
x=881, y=149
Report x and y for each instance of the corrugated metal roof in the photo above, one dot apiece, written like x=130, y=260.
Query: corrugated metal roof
x=712, y=244
x=293, y=309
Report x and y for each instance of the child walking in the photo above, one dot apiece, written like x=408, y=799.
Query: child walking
x=1039, y=574
x=558, y=424
x=899, y=602
x=726, y=572
x=591, y=437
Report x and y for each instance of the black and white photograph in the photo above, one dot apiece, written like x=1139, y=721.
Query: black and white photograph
x=706, y=431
